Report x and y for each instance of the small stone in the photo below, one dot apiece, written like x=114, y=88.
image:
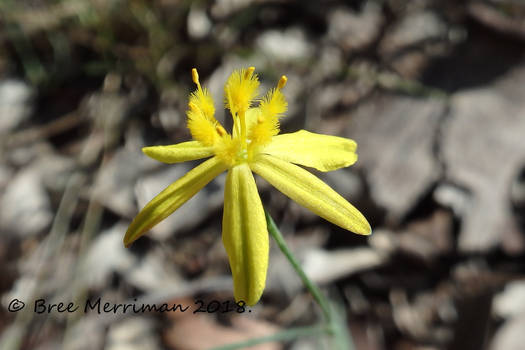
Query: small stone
x=412, y=29
x=135, y=333
x=289, y=45
x=106, y=255
x=15, y=103
x=354, y=31
x=511, y=301
x=492, y=153
x=199, y=24
x=430, y=237
x=453, y=197
x=324, y=266
x=153, y=273
x=26, y=209
x=345, y=182
x=395, y=138
x=384, y=241
x=5, y=175
x=510, y=336
x=115, y=183
x=224, y=8
x=87, y=333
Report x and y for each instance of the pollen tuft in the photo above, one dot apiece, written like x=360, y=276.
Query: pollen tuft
x=273, y=104
x=240, y=90
x=262, y=132
x=202, y=128
x=271, y=108
x=202, y=99
x=201, y=120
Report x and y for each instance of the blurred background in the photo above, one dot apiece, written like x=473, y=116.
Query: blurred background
x=432, y=91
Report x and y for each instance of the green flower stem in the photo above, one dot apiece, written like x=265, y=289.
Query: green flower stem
x=314, y=290
x=289, y=334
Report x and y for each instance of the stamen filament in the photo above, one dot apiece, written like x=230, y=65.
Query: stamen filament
x=242, y=113
x=242, y=122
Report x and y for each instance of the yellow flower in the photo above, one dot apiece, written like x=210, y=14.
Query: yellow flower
x=254, y=145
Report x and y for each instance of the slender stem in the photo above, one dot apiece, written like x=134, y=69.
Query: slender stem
x=242, y=122
x=316, y=293
x=289, y=334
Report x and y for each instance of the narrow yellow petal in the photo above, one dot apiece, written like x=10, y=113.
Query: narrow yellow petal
x=322, y=152
x=312, y=193
x=245, y=235
x=181, y=152
x=172, y=198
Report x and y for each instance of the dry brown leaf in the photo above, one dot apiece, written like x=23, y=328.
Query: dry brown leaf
x=201, y=331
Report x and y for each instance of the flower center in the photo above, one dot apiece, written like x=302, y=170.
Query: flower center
x=253, y=127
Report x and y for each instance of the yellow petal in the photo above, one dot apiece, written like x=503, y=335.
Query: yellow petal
x=180, y=152
x=312, y=193
x=245, y=235
x=322, y=152
x=172, y=198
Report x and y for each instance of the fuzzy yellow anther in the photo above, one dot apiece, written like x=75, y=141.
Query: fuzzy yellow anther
x=249, y=72
x=282, y=82
x=195, y=76
x=220, y=130
x=193, y=106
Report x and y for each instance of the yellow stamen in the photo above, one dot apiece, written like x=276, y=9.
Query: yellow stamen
x=192, y=106
x=248, y=73
x=242, y=120
x=241, y=114
x=282, y=82
x=195, y=77
x=240, y=90
x=271, y=108
x=220, y=130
